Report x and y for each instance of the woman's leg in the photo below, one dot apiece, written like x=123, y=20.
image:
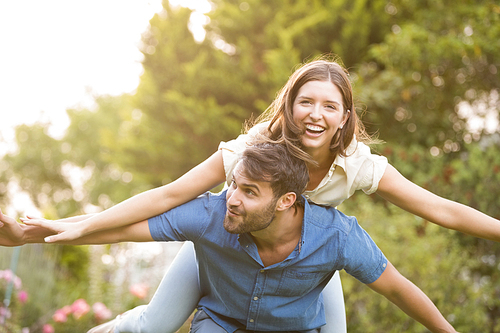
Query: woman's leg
x=333, y=298
x=173, y=302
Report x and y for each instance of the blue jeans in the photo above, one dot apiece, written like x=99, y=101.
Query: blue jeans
x=178, y=294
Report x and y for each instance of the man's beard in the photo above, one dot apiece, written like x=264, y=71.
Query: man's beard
x=250, y=222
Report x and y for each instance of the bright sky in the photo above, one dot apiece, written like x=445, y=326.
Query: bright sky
x=56, y=54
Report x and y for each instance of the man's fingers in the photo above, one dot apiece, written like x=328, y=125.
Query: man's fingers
x=5, y=219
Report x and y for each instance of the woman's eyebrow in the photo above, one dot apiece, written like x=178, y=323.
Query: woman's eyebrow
x=328, y=101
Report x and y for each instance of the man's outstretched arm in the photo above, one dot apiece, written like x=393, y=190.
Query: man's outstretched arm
x=409, y=298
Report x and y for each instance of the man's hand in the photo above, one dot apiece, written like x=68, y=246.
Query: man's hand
x=11, y=232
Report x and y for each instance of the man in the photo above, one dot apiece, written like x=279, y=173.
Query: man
x=265, y=254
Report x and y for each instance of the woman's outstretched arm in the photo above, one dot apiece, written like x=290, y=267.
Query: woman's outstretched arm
x=449, y=214
x=198, y=180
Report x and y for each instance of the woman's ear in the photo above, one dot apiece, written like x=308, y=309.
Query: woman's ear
x=346, y=116
x=286, y=201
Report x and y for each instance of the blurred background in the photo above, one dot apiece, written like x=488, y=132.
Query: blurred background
x=145, y=90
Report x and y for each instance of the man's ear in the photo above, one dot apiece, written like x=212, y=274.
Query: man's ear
x=286, y=201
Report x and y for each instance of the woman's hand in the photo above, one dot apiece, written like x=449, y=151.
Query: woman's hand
x=63, y=231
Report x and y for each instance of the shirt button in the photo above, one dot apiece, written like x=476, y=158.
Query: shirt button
x=383, y=265
x=255, y=298
x=262, y=271
x=251, y=320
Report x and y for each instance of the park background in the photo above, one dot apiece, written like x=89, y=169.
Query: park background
x=426, y=81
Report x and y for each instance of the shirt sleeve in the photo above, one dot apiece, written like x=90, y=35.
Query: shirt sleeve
x=362, y=257
x=363, y=169
x=185, y=222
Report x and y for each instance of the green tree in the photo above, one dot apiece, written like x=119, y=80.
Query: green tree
x=436, y=56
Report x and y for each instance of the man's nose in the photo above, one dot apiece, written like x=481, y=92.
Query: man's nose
x=233, y=198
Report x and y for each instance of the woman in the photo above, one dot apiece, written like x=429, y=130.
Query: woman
x=314, y=116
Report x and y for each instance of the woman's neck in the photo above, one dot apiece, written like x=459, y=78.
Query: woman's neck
x=318, y=172
x=324, y=158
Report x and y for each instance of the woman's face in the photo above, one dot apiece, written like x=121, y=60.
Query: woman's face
x=318, y=108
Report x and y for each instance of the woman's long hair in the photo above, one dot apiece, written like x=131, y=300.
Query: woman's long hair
x=283, y=129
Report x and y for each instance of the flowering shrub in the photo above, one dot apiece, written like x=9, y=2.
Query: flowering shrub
x=79, y=316
x=17, y=299
x=101, y=312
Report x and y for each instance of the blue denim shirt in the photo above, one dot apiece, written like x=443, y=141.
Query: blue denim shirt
x=239, y=292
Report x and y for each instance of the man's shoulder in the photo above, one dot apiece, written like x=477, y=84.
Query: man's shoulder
x=207, y=199
x=328, y=217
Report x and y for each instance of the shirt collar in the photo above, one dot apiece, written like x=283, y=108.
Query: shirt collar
x=247, y=243
x=340, y=160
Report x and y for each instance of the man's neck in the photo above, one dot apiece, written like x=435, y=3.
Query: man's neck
x=276, y=242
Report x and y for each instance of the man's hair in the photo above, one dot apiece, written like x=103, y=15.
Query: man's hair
x=273, y=163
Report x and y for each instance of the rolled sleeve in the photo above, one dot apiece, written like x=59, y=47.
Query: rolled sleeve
x=374, y=168
x=363, y=169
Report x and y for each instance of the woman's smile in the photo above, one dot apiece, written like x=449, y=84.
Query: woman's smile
x=318, y=108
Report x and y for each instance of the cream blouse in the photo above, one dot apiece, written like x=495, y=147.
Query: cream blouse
x=360, y=170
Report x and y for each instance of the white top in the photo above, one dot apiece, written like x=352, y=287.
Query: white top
x=360, y=170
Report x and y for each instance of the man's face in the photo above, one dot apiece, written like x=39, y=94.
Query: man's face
x=251, y=204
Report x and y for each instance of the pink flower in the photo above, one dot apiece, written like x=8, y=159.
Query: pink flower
x=47, y=328
x=4, y=313
x=59, y=316
x=101, y=311
x=66, y=310
x=8, y=276
x=80, y=308
x=17, y=282
x=22, y=296
x=139, y=290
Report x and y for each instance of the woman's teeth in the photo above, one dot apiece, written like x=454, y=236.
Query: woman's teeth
x=314, y=128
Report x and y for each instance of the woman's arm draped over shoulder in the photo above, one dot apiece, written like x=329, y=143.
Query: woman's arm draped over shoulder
x=198, y=180
x=449, y=214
